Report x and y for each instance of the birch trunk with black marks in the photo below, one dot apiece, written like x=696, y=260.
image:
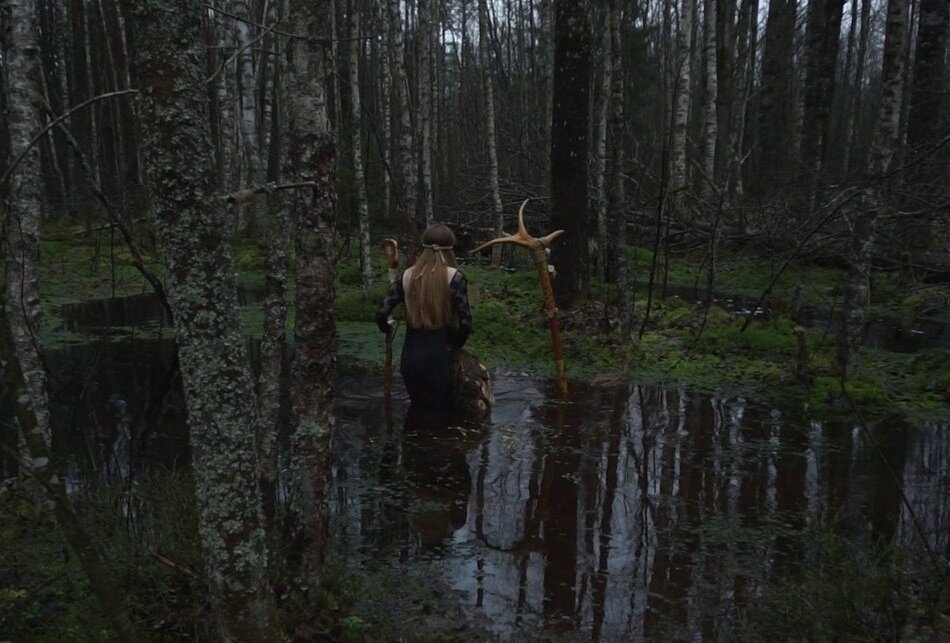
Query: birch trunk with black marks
x=246, y=94
x=617, y=237
x=424, y=109
x=710, y=120
x=386, y=82
x=872, y=202
x=219, y=392
x=408, y=201
x=356, y=140
x=546, y=92
x=488, y=88
x=681, y=100
x=22, y=70
x=309, y=156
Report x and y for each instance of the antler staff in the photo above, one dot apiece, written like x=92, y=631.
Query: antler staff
x=390, y=248
x=538, y=247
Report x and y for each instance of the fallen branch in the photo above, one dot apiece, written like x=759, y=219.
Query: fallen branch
x=243, y=197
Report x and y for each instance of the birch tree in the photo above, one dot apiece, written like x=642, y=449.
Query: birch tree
x=407, y=159
x=710, y=133
x=853, y=311
x=309, y=157
x=356, y=140
x=23, y=202
x=489, y=102
x=203, y=295
x=617, y=236
x=424, y=110
x=684, y=63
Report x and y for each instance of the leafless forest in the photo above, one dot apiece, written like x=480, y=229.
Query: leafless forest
x=817, y=130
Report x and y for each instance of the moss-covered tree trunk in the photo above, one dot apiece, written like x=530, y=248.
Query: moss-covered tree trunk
x=309, y=155
x=191, y=222
x=22, y=71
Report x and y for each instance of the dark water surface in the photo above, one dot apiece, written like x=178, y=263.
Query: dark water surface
x=629, y=512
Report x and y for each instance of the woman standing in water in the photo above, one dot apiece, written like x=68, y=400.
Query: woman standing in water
x=438, y=317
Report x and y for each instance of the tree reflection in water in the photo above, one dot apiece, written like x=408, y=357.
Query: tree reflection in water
x=639, y=512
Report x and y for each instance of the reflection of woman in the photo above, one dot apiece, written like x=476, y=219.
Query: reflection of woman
x=438, y=317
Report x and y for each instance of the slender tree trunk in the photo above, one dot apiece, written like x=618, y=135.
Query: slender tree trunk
x=407, y=158
x=546, y=90
x=309, y=150
x=42, y=469
x=203, y=296
x=857, y=87
x=386, y=81
x=356, y=139
x=23, y=203
x=488, y=87
x=424, y=111
x=570, y=149
x=599, y=130
x=710, y=121
x=883, y=148
x=276, y=248
x=681, y=100
x=617, y=233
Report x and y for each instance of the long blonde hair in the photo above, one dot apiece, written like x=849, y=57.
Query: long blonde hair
x=428, y=304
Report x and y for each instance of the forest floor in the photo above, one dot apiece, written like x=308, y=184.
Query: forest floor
x=682, y=341
x=44, y=590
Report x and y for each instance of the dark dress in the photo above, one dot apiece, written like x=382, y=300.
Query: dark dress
x=426, y=364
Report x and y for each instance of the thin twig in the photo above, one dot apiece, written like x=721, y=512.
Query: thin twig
x=56, y=121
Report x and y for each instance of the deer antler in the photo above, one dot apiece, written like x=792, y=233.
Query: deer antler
x=537, y=246
x=522, y=238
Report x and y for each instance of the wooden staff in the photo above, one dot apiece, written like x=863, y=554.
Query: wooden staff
x=538, y=248
x=390, y=248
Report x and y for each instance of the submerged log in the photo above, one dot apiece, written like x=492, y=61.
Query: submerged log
x=473, y=396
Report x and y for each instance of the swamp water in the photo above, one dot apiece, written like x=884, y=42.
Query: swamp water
x=628, y=512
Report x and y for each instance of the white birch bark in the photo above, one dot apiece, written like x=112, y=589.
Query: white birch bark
x=22, y=71
x=386, y=81
x=710, y=133
x=488, y=89
x=617, y=238
x=424, y=112
x=309, y=155
x=681, y=100
x=356, y=139
x=883, y=147
x=407, y=157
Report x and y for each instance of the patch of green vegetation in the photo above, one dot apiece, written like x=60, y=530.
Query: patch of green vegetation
x=511, y=329
x=850, y=590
